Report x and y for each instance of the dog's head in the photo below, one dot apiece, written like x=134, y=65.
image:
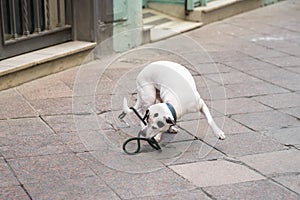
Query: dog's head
x=159, y=120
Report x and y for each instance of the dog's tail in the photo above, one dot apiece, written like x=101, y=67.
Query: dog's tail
x=126, y=109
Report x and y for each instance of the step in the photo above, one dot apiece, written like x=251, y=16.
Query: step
x=26, y=67
x=158, y=26
x=221, y=9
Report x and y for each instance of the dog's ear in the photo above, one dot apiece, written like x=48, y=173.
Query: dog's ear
x=126, y=109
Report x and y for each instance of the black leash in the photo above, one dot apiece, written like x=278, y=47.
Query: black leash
x=151, y=141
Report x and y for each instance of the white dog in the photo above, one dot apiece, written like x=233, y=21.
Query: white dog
x=174, y=86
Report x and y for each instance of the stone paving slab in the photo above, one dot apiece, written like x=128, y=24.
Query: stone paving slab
x=191, y=194
x=203, y=82
x=260, y=52
x=230, y=126
x=249, y=64
x=205, y=174
x=73, y=141
x=268, y=120
x=252, y=89
x=212, y=68
x=229, y=55
x=274, y=162
x=292, y=111
x=7, y=178
x=293, y=69
x=291, y=181
x=232, y=78
x=32, y=145
x=286, y=61
x=132, y=185
x=54, y=106
x=86, y=188
x=50, y=168
x=22, y=127
x=48, y=87
x=237, y=145
x=278, y=101
x=14, y=192
x=255, y=190
x=279, y=77
x=287, y=136
x=198, y=151
x=8, y=110
x=61, y=123
x=72, y=123
x=238, y=106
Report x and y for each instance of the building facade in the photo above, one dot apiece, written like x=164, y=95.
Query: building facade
x=28, y=25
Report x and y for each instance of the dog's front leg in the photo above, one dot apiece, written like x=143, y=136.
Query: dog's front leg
x=158, y=137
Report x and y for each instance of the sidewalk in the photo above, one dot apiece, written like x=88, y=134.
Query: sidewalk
x=60, y=137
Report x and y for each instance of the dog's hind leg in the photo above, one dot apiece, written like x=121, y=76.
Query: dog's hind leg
x=146, y=96
x=217, y=131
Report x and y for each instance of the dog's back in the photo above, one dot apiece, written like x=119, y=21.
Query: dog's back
x=173, y=81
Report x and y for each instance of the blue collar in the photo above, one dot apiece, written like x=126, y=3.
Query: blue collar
x=171, y=108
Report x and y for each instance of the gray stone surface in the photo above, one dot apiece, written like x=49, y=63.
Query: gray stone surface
x=138, y=184
x=292, y=111
x=249, y=64
x=232, y=78
x=279, y=77
x=14, y=192
x=49, y=87
x=33, y=145
x=85, y=188
x=190, y=194
x=268, y=120
x=252, y=89
x=204, y=174
x=13, y=105
x=51, y=168
x=278, y=101
x=23, y=126
x=237, y=145
x=286, y=61
x=60, y=137
x=238, y=106
x=228, y=125
x=274, y=162
x=255, y=190
x=7, y=177
x=198, y=151
x=291, y=181
x=287, y=136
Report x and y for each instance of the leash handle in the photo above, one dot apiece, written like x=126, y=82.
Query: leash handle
x=152, y=142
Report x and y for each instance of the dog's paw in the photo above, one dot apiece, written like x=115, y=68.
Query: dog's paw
x=173, y=130
x=221, y=135
x=158, y=137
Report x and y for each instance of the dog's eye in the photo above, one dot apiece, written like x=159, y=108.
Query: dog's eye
x=155, y=115
x=153, y=127
x=160, y=124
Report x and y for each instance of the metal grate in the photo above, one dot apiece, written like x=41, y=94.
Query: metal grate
x=23, y=18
